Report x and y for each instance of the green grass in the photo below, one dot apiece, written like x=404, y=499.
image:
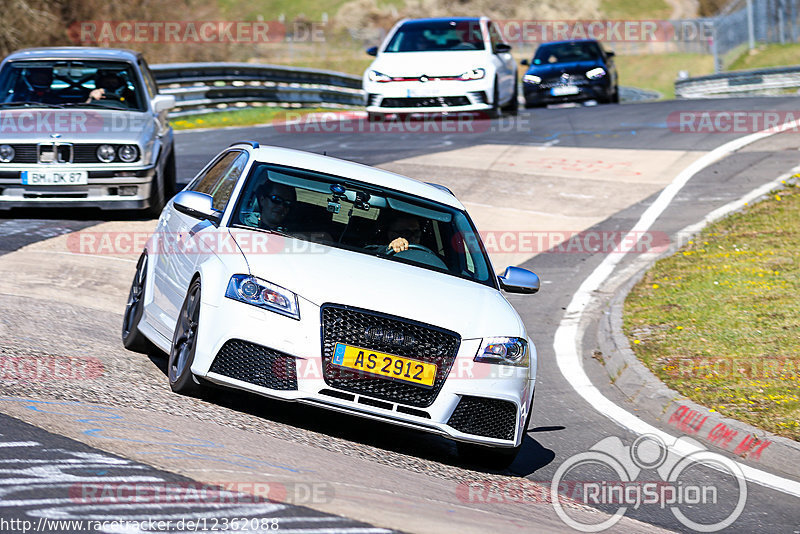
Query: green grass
x=774, y=55
x=635, y=9
x=311, y=10
x=658, y=71
x=720, y=320
x=240, y=117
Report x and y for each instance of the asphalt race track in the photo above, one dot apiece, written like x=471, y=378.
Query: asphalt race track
x=592, y=168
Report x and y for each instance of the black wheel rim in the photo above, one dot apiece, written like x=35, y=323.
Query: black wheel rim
x=135, y=295
x=185, y=336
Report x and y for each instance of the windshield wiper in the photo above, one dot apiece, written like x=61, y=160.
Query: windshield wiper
x=31, y=103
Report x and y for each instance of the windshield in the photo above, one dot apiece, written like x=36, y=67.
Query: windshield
x=75, y=83
x=362, y=218
x=567, y=53
x=437, y=36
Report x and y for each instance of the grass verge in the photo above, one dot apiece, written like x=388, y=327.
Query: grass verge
x=241, y=117
x=659, y=71
x=719, y=321
x=773, y=55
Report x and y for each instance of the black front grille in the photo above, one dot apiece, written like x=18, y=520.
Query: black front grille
x=342, y=324
x=491, y=418
x=85, y=154
x=426, y=102
x=24, y=154
x=255, y=364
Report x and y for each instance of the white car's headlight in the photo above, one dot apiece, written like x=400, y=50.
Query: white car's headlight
x=252, y=290
x=474, y=74
x=531, y=78
x=596, y=73
x=375, y=76
x=503, y=351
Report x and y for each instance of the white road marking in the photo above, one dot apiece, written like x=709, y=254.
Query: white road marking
x=569, y=332
x=20, y=444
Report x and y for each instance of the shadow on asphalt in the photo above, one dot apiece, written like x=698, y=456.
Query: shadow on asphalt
x=533, y=455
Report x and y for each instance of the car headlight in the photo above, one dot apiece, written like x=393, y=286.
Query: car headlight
x=531, y=78
x=375, y=76
x=503, y=351
x=474, y=74
x=128, y=153
x=6, y=153
x=252, y=290
x=106, y=153
x=596, y=73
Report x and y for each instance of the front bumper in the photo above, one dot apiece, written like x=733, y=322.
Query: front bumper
x=536, y=94
x=429, y=97
x=109, y=187
x=496, y=391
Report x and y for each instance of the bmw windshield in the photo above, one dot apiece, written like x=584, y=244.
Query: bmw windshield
x=362, y=218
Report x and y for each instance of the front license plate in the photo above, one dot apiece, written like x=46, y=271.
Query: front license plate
x=386, y=365
x=55, y=177
x=427, y=90
x=562, y=90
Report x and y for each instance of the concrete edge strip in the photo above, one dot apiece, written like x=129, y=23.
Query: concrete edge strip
x=638, y=384
x=568, y=336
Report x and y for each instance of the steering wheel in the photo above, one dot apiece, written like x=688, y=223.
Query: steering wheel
x=412, y=246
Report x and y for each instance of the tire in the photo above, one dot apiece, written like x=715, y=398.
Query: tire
x=375, y=117
x=615, y=96
x=132, y=338
x=512, y=108
x=494, y=112
x=170, y=178
x=156, y=199
x=184, y=344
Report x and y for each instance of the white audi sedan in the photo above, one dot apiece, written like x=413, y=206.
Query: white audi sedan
x=441, y=65
x=306, y=278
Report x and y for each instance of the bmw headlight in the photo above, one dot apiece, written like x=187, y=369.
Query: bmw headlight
x=252, y=290
x=503, y=351
x=128, y=153
x=531, y=78
x=474, y=74
x=375, y=76
x=106, y=153
x=596, y=73
x=6, y=153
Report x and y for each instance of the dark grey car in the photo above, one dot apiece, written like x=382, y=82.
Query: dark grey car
x=83, y=127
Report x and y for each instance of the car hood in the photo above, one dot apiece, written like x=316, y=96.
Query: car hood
x=431, y=64
x=322, y=274
x=74, y=125
x=556, y=69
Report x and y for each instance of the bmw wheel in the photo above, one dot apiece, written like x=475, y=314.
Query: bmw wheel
x=132, y=338
x=184, y=344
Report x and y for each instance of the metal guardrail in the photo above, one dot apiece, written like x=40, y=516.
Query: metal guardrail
x=772, y=81
x=210, y=87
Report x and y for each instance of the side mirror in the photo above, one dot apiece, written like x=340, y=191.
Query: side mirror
x=372, y=51
x=525, y=62
x=610, y=53
x=163, y=103
x=502, y=48
x=197, y=205
x=518, y=280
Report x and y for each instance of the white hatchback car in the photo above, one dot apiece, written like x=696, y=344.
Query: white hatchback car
x=442, y=65
x=307, y=278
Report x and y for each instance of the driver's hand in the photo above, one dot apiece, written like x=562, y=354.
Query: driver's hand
x=398, y=245
x=97, y=94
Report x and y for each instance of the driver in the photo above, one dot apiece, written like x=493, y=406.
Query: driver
x=403, y=231
x=109, y=85
x=274, y=203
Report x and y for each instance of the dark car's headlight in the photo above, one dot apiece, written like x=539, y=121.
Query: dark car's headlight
x=503, y=351
x=596, y=73
x=531, y=78
x=258, y=292
x=106, y=153
x=474, y=74
x=375, y=76
x=128, y=153
x=6, y=153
